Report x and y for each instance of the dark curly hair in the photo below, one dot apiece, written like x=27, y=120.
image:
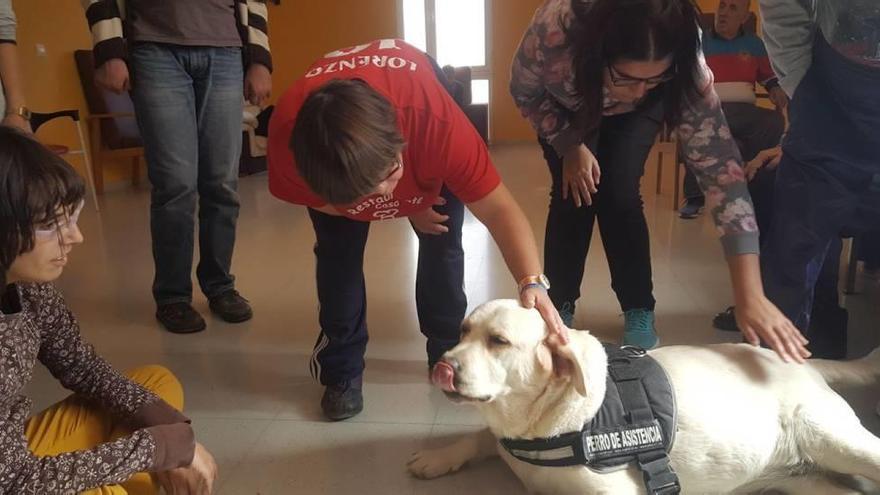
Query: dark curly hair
x=605, y=31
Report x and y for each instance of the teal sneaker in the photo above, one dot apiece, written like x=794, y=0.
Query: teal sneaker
x=566, y=312
x=639, y=329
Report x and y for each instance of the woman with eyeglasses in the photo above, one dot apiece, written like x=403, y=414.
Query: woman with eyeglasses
x=116, y=429
x=597, y=79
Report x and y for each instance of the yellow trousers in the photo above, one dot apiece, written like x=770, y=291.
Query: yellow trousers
x=73, y=424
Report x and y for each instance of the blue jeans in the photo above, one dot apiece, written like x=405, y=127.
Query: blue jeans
x=188, y=102
x=828, y=179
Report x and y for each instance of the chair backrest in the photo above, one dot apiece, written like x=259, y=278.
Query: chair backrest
x=460, y=77
x=707, y=22
x=117, y=132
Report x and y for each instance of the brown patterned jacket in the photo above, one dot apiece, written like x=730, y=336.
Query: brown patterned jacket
x=36, y=324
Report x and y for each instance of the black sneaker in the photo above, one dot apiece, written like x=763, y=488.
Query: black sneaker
x=180, y=317
x=231, y=307
x=343, y=400
x=692, y=208
x=726, y=320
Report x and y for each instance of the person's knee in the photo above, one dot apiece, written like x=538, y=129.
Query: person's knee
x=175, y=193
x=161, y=381
x=621, y=204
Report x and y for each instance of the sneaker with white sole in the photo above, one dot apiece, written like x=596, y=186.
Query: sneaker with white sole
x=639, y=329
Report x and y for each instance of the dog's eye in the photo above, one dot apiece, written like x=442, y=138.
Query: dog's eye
x=498, y=340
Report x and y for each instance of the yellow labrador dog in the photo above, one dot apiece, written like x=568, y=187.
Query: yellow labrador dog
x=747, y=422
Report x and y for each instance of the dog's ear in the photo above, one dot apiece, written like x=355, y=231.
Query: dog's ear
x=567, y=364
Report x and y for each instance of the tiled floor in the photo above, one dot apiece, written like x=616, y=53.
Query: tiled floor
x=248, y=387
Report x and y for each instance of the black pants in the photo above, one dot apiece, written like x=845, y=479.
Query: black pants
x=754, y=129
x=870, y=249
x=440, y=298
x=621, y=148
x=826, y=298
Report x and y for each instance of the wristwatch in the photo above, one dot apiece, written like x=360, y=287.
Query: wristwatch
x=22, y=111
x=533, y=281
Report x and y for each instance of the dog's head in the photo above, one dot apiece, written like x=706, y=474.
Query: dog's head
x=504, y=351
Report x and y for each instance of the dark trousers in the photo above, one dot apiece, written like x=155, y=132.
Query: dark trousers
x=621, y=148
x=188, y=102
x=869, y=251
x=826, y=298
x=754, y=129
x=440, y=298
x=829, y=177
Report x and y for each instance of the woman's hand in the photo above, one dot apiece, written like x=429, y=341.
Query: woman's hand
x=580, y=175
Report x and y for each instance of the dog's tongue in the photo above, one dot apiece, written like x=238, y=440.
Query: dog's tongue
x=442, y=376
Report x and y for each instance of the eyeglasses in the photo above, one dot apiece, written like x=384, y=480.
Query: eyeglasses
x=398, y=164
x=619, y=79
x=59, y=225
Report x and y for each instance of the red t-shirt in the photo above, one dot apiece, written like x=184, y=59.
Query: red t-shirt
x=442, y=147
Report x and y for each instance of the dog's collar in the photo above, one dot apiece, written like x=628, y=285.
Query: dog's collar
x=636, y=423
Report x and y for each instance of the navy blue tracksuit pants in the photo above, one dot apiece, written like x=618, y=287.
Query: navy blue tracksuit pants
x=829, y=177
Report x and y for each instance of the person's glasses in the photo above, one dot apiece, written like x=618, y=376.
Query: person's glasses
x=619, y=79
x=60, y=225
x=398, y=164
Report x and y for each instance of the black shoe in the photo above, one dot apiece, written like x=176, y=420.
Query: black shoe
x=726, y=320
x=231, y=307
x=343, y=400
x=180, y=318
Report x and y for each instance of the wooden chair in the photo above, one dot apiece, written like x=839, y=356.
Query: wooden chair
x=37, y=121
x=113, y=131
x=477, y=113
x=666, y=142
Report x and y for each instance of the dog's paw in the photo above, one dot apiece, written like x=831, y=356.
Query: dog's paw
x=428, y=464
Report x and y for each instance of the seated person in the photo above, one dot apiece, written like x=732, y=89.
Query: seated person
x=739, y=60
x=828, y=321
x=115, y=429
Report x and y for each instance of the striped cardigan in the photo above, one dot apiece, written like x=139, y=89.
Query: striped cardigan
x=108, y=37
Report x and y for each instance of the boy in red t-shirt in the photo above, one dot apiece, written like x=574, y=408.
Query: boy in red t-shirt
x=371, y=133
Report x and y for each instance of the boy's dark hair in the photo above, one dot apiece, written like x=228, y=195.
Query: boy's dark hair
x=34, y=184
x=345, y=140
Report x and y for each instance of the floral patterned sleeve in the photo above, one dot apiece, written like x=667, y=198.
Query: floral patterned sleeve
x=541, y=78
x=712, y=155
x=167, y=443
x=74, y=362
x=22, y=473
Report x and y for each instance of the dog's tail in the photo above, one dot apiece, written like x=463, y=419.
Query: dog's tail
x=864, y=371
